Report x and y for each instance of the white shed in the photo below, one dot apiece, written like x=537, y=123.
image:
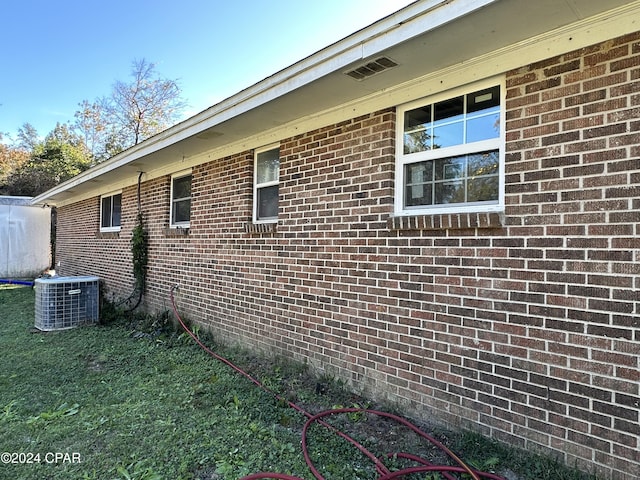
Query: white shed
x=25, y=238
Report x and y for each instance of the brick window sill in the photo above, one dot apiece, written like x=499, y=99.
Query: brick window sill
x=176, y=232
x=449, y=221
x=105, y=235
x=256, y=228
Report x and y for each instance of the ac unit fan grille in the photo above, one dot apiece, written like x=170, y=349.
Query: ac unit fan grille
x=66, y=302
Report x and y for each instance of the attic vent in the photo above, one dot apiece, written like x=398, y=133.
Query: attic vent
x=372, y=68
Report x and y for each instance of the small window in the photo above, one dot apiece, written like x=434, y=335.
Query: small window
x=266, y=181
x=181, y=200
x=450, y=153
x=110, y=212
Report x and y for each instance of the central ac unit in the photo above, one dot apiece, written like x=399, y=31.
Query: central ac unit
x=66, y=302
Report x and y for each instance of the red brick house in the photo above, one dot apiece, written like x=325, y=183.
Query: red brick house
x=442, y=209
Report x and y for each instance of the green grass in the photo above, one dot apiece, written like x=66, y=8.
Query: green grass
x=130, y=404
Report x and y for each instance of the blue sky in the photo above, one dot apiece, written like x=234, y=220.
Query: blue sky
x=57, y=53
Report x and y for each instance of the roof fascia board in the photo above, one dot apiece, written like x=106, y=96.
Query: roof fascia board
x=588, y=31
x=398, y=27
x=583, y=33
x=412, y=20
x=580, y=34
x=577, y=35
x=427, y=20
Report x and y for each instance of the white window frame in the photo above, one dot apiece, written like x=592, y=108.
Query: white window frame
x=403, y=159
x=257, y=186
x=111, y=227
x=176, y=176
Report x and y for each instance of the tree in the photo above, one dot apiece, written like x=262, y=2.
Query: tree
x=92, y=127
x=59, y=157
x=147, y=105
x=103, y=128
x=11, y=159
x=28, y=137
x=133, y=112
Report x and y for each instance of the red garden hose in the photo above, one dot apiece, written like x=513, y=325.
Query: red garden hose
x=383, y=472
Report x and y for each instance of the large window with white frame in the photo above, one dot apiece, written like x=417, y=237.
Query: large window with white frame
x=181, y=199
x=266, y=184
x=110, y=212
x=450, y=152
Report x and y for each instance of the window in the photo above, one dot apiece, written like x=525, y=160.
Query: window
x=110, y=212
x=181, y=200
x=265, y=190
x=450, y=153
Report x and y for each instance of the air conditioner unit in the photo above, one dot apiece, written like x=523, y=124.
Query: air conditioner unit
x=66, y=302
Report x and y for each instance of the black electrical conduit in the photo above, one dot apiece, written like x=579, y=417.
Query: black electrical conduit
x=383, y=471
x=139, y=290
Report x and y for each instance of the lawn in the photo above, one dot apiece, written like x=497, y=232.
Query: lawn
x=137, y=399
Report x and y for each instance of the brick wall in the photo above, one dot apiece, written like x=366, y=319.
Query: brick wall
x=525, y=325
x=573, y=215
x=81, y=248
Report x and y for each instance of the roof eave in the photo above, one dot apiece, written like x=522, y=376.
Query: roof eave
x=429, y=37
x=415, y=19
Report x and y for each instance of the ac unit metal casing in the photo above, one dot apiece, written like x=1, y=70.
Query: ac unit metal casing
x=66, y=302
